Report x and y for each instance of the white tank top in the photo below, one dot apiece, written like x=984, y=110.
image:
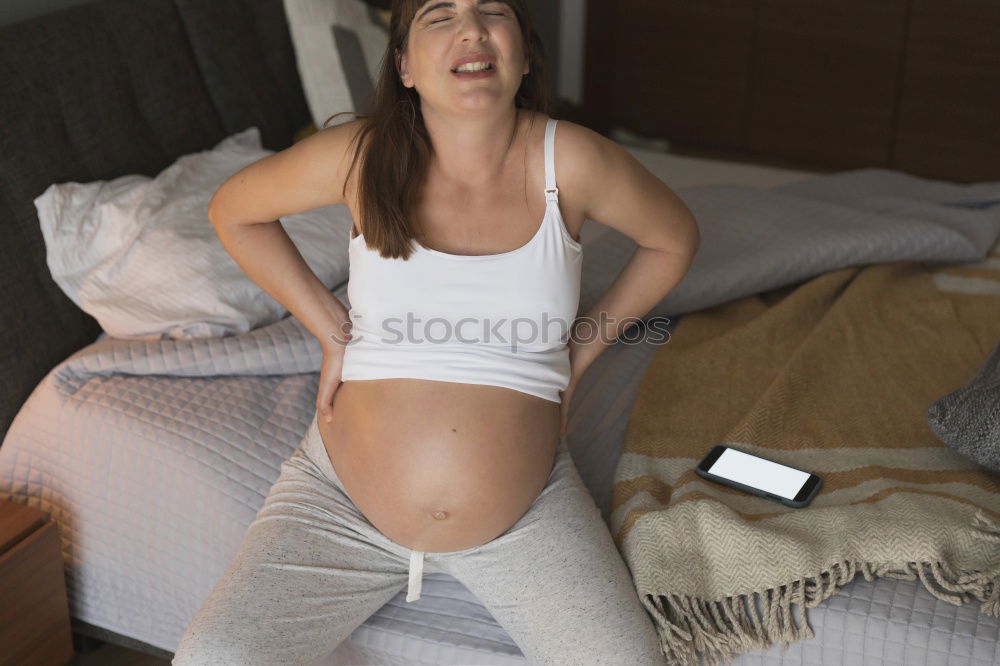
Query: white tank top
x=497, y=319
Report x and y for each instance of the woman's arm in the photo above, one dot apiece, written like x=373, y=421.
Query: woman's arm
x=267, y=255
x=245, y=210
x=648, y=277
x=618, y=191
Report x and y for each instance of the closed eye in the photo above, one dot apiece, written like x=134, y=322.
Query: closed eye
x=487, y=13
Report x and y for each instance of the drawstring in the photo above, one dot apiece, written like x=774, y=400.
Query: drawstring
x=416, y=575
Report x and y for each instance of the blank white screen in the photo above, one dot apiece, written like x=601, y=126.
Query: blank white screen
x=771, y=477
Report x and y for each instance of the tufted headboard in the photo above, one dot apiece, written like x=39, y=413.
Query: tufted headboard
x=117, y=87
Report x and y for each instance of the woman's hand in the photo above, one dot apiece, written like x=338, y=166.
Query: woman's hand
x=329, y=380
x=579, y=360
x=566, y=396
x=331, y=371
x=582, y=353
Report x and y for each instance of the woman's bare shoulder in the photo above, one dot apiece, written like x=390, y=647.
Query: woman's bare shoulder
x=345, y=138
x=309, y=174
x=577, y=149
x=574, y=137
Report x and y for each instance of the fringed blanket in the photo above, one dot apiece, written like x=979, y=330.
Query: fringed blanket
x=834, y=376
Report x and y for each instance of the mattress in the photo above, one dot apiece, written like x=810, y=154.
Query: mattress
x=126, y=444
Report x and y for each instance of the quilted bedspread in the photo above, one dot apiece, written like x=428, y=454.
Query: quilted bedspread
x=154, y=456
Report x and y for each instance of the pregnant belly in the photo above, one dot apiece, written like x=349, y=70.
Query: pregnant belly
x=440, y=466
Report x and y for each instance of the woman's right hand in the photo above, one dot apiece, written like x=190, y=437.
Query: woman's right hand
x=329, y=379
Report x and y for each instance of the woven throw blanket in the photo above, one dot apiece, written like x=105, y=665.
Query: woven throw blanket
x=833, y=375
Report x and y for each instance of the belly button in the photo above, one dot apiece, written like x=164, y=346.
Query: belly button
x=440, y=515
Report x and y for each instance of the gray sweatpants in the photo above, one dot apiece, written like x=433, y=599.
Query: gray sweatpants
x=311, y=568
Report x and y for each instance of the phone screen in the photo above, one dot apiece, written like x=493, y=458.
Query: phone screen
x=771, y=477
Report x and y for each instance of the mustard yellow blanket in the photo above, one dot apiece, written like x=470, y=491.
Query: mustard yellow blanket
x=834, y=376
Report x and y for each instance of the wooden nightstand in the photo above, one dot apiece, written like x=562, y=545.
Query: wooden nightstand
x=34, y=612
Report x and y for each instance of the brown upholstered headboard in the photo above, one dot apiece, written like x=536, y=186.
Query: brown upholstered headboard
x=111, y=88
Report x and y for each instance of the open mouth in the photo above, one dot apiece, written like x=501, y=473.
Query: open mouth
x=488, y=68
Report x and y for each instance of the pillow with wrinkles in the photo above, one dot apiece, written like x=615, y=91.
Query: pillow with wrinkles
x=140, y=255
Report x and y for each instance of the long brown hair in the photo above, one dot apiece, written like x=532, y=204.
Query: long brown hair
x=396, y=155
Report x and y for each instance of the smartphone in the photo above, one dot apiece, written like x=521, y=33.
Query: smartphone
x=759, y=476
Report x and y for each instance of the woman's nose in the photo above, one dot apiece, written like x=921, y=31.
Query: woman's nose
x=472, y=25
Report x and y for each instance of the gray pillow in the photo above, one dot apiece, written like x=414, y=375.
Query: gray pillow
x=968, y=420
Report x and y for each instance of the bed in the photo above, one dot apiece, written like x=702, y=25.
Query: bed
x=154, y=455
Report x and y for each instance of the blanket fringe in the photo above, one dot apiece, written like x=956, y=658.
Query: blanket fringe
x=696, y=631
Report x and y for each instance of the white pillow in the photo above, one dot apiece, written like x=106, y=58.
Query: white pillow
x=140, y=256
x=339, y=46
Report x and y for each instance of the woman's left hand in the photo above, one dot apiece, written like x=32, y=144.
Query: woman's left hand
x=580, y=357
x=567, y=397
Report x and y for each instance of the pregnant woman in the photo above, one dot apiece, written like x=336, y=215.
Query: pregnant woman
x=439, y=437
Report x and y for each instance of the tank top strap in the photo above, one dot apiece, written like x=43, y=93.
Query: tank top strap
x=551, y=191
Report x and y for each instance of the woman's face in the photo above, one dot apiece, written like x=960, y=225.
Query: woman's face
x=444, y=31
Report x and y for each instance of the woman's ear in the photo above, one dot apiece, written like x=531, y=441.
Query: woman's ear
x=402, y=67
